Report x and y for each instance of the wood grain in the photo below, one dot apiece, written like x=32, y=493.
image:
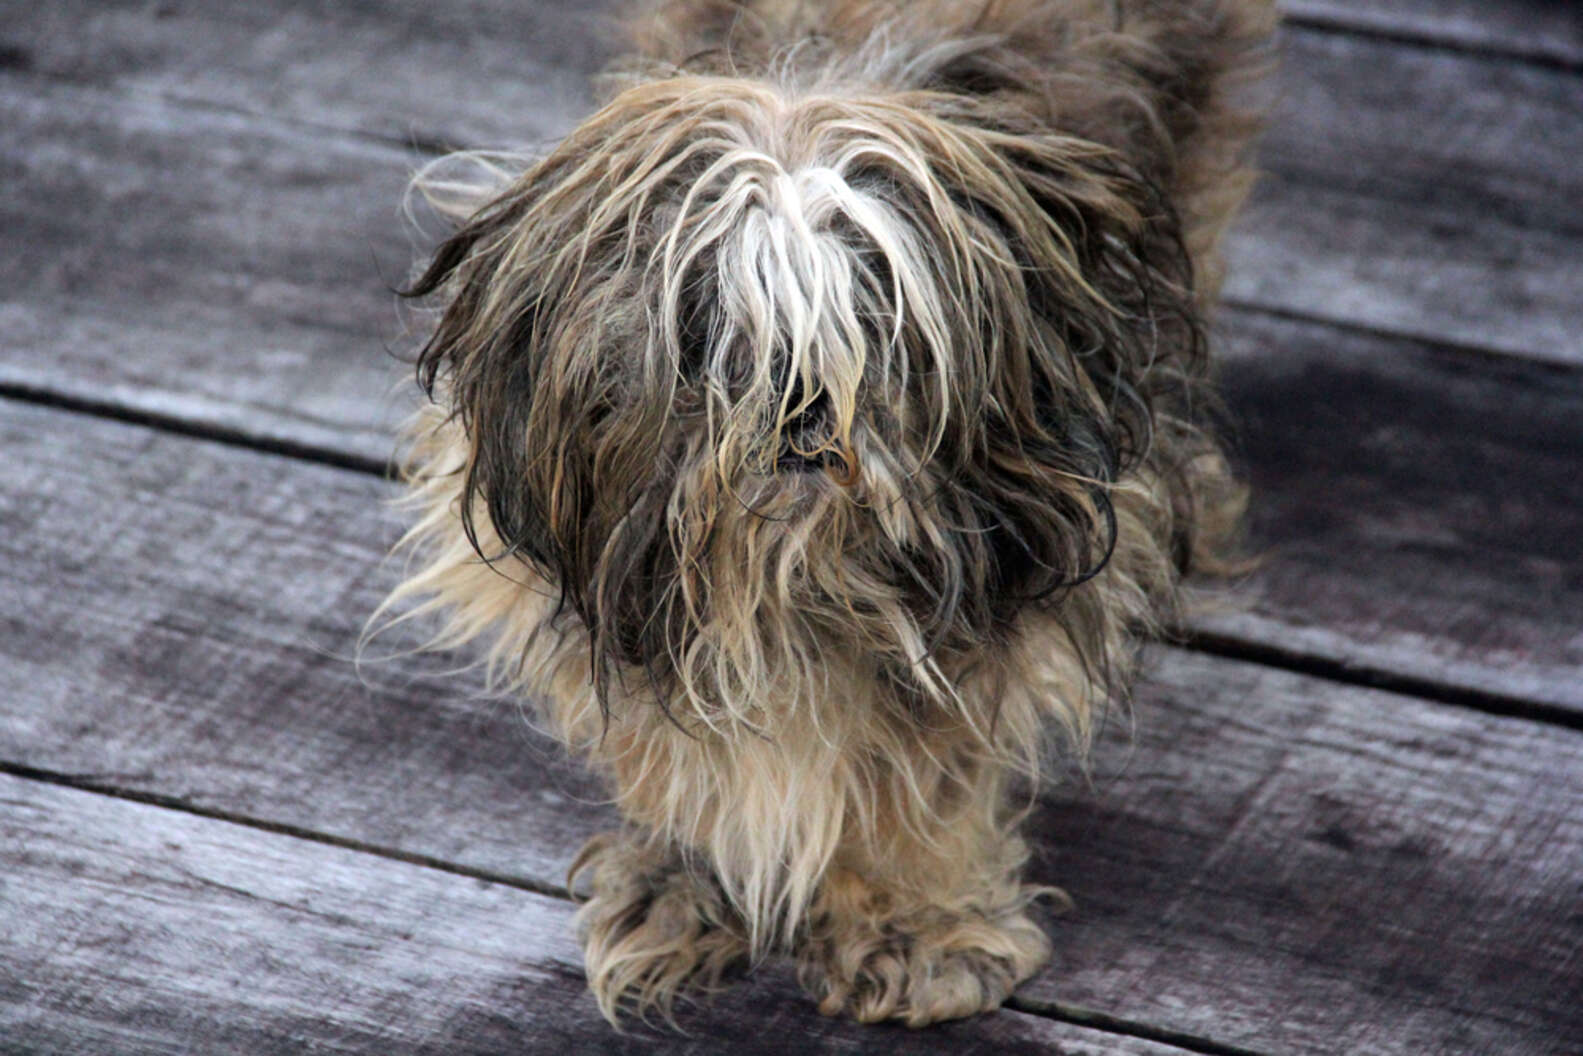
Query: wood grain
x=1419, y=192
x=171, y=609
x=1272, y=861
x=1484, y=137
x=1414, y=270
x=206, y=266
x=1303, y=867
x=464, y=73
x=136, y=930
x=1416, y=512
x=1544, y=31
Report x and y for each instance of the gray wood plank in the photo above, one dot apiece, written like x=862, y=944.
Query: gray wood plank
x=132, y=929
x=1414, y=269
x=1486, y=137
x=1417, y=512
x=207, y=266
x=1321, y=869
x=1548, y=31
x=1271, y=861
x=1419, y=192
x=198, y=605
x=1472, y=159
x=457, y=74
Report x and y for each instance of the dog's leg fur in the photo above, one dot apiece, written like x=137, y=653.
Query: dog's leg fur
x=919, y=914
x=882, y=853
x=923, y=933
x=654, y=924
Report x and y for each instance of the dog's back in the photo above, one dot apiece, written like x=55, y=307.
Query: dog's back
x=1161, y=81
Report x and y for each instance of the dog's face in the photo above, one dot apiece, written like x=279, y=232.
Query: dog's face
x=756, y=378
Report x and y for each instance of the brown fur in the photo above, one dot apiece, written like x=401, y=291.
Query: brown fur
x=813, y=429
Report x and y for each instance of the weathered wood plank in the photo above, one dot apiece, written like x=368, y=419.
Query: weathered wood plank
x=1264, y=865
x=1488, y=138
x=1417, y=511
x=159, y=594
x=1422, y=193
x=1323, y=869
x=207, y=266
x=1548, y=31
x=132, y=929
x=456, y=74
x=1472, y=158
x=1413, y=269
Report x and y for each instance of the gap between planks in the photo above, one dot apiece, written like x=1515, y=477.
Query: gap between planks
x=1056, y=1011
x=1369, y=676
x=1081, y=1016
x=1494, y=50
x=197, y=429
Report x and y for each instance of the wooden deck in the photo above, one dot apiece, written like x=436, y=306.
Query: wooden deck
x=1349, y=816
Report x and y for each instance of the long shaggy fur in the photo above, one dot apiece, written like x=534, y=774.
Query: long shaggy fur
x=812, y=430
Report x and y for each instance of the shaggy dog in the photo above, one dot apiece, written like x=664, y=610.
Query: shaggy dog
x=814, y=429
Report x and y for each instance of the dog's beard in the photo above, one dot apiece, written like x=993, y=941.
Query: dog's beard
x=754, y=379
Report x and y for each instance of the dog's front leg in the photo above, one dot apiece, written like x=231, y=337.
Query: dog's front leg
x=654, y=925
x=922, y=926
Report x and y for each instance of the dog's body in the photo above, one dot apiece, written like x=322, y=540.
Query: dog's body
x=816, y=426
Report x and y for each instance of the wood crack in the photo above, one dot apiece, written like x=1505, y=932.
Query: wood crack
x=198, y=430
x=1079, y=1015
x=81, y=784
x=1354, y=673
x=1487, y=50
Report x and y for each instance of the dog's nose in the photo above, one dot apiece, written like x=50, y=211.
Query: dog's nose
x=805, y=438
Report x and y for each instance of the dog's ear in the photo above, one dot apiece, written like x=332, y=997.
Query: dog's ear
x=544, y=356
x=557, y=459
x=1089, y=352
x=484, y=362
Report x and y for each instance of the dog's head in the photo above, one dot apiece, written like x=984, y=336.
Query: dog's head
x=758, y=376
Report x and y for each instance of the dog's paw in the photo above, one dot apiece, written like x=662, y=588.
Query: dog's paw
x=652, y=929
x=937, y=965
